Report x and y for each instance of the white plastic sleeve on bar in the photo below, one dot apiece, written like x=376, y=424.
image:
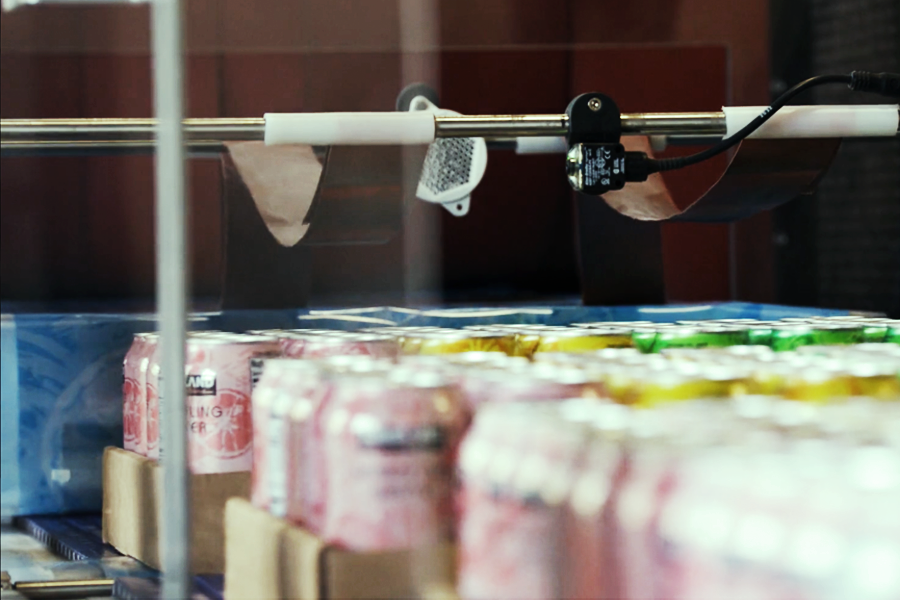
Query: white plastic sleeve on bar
x=541, y=145
x=878, y=120
x=349, y=128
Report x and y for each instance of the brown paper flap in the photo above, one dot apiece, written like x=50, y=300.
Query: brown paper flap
x=300, y=564
x=282, y=181
x=388, y=574
x=267, y=557
x=257, y=271
x=129, y=505
x=367, y=575
x=646, y=201
x=132, y=492
x=209, y=493
x=761, y=174
x=252, y=552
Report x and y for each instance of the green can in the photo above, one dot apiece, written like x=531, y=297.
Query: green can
x=644, y=335
x=791, y=336
x=893, y=332
x=874, y=331
x=759, y=335
x=838, y=333
x=644, y=339
x=699, y=337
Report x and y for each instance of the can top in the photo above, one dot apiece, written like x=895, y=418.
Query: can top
x=479, y=357
x=749, y=350
x=793, y=327
x=626, y=324
x=407, y=375
x=837, y=326
x=586, y=332
x=230, y=338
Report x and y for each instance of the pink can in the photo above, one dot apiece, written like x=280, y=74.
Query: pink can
x=307, y=476
x=537, y=382
x=389, y=451
x=150, y=374
x=218, y=382
x=518, y=467
x=297, y=386
x=133, y=436
x=151, y=341
x=351, y=344
x=268, y=386
x=292, y=343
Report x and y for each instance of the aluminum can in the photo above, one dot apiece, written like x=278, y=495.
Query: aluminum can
x=389, y=452
x=263, y=396
x=518, y=471
x=699, y=337
x=838, y=333
x=151, y=373
x=457, y=341
x=134, y=393
x=791, y=336
x=352, y=344
x=296, y=385
x=307, y=475
x=585, y=340
x=218, y=385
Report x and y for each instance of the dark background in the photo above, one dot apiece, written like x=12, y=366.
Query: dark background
x=83, y=228
x=841, y=247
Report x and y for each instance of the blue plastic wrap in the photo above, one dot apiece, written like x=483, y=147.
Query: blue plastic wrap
x=9, y=415
x=61, y=405
x=62, y=381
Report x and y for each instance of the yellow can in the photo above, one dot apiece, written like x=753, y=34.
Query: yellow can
x=880, y=380
x=817, y=384
x=458, y=341
x=584, y=340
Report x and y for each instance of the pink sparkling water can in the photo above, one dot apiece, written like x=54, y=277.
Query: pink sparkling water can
x=150, y=375
x=219, y=374
x=389, y=451
x=130, y=434
x=219, y=380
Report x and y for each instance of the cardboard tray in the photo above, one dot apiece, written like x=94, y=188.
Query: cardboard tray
x=132, y=489
x=267, y=557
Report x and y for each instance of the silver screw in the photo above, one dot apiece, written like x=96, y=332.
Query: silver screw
x=594, y=104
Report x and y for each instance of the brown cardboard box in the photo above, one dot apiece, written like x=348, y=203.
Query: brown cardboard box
x=267, y=557
x=132, y=488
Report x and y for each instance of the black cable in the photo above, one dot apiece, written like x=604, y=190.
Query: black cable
x=887, y=84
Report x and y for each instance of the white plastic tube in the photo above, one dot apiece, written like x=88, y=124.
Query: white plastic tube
x=349, y=128
x=879, y=120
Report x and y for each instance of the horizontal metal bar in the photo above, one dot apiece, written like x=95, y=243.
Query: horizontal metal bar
x=493, y=126
x=128, y=129
x=697, y=123
x=203, y=136
x=65, y=588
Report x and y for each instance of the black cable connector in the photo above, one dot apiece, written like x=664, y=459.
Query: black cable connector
x=637, y=166
x=887, y=84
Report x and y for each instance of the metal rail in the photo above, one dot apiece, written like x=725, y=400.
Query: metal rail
x=37, y=136
x=59, y=589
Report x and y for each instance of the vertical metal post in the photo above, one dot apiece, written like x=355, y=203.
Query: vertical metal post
x=171, y=289
x=419, y=36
